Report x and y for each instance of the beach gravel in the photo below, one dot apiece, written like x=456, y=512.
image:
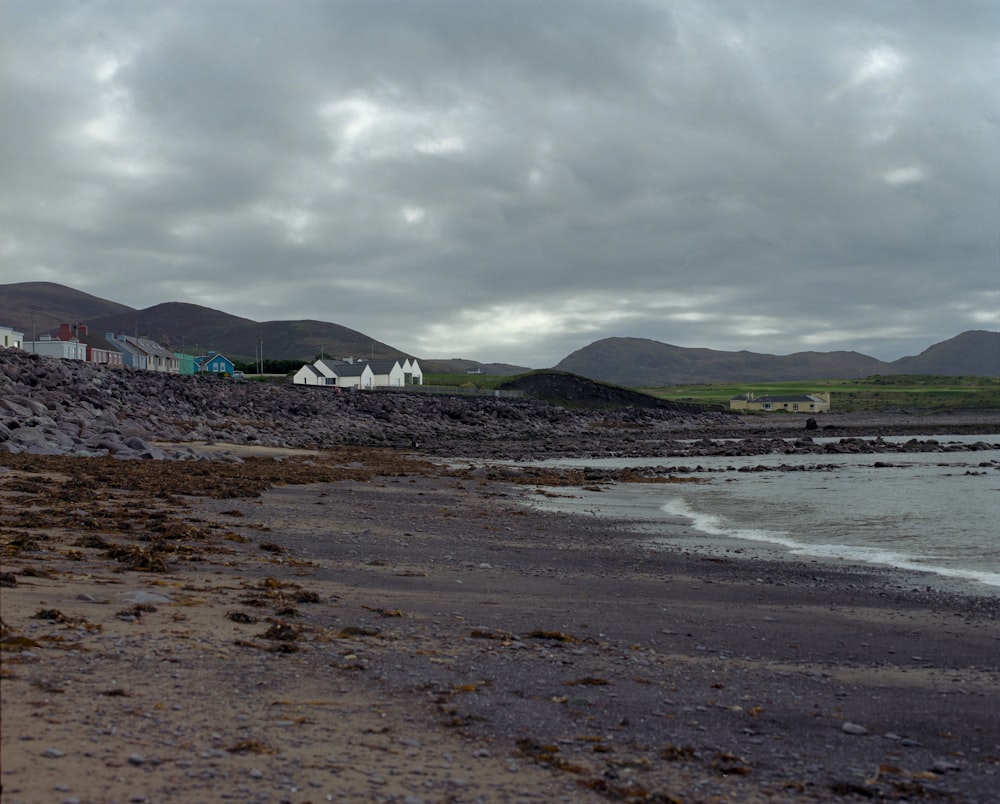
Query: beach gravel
x=238, y=606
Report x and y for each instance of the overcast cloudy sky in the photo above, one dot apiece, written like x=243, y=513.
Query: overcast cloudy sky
x=512, y=180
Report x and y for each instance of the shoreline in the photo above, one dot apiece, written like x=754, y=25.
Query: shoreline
x=374, y=626
x=657, y=528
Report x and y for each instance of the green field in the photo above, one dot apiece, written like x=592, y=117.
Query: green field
x=487, y=382
x=891, y=392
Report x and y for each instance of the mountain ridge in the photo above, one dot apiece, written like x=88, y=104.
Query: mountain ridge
x=646, y=362
x=42, y=306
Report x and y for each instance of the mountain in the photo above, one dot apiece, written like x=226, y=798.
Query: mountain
x=644, y=362
x=42, y=306
x=974, y=353
x=458, y=365
x=188, y=327
x=197, y=329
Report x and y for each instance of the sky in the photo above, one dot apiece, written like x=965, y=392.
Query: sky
x=510, y=181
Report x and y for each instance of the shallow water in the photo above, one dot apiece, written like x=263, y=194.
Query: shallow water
x=932, y=512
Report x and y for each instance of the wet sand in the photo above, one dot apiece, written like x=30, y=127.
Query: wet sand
x=372, y=627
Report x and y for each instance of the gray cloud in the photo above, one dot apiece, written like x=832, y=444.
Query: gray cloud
x=511, y=181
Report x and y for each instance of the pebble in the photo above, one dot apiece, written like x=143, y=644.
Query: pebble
x=853, y=728
x=136, y=759
x=53, y=753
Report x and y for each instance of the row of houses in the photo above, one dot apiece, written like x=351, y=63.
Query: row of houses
x=76, y=342
x=351, y=373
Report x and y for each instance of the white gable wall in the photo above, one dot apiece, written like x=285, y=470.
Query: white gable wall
x=305, y=376
x=414, y=372
x=363, y=378
x=394, y=379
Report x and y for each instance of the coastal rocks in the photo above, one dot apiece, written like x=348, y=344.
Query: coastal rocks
x=60, y=407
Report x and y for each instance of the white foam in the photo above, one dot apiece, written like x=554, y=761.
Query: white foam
x=718, y=525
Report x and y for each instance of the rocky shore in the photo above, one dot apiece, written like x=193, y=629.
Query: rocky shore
x=58, y=407
x=271, y=595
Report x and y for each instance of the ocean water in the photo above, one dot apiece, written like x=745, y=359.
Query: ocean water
x=931, y=512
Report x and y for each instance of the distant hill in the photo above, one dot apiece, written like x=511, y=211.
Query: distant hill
x=190, y=327
x=643, y=362
x=200, y=329
x=460, y=366
x=974, y=353
x=46, y=305
x=43, y=306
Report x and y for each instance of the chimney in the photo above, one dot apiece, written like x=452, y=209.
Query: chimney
x=65, y=333
x=81, y=329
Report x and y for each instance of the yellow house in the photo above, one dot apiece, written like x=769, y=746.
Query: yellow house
x=794, y=403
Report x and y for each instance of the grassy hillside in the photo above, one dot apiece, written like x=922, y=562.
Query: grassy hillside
x=894, y=392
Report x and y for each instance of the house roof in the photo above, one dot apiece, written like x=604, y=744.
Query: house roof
x=785, y=398
x=311, y=369
x=151, y=347
x=384, y=366
x=353, y=370
x=121, y=342
x=202, y=359
x=343, y=368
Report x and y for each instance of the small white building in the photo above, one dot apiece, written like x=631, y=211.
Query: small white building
x=347, y=373
x=412, y=373
x=386, y=374
x=53, y=347
x=794, y=403
x=11, y=338
x=309, y=375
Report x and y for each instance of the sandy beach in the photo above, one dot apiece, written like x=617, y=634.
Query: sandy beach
x=362, y=625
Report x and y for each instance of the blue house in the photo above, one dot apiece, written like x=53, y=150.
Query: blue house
x=132, y=355
x=214, y=363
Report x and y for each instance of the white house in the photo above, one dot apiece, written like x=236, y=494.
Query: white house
x=53, y=347
x=309, y=375
x=795, y=403
x=412, y=373
x=335, y=373
x=11, y=338
x=159, y=357
x=386, y=374
x=350, y=373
